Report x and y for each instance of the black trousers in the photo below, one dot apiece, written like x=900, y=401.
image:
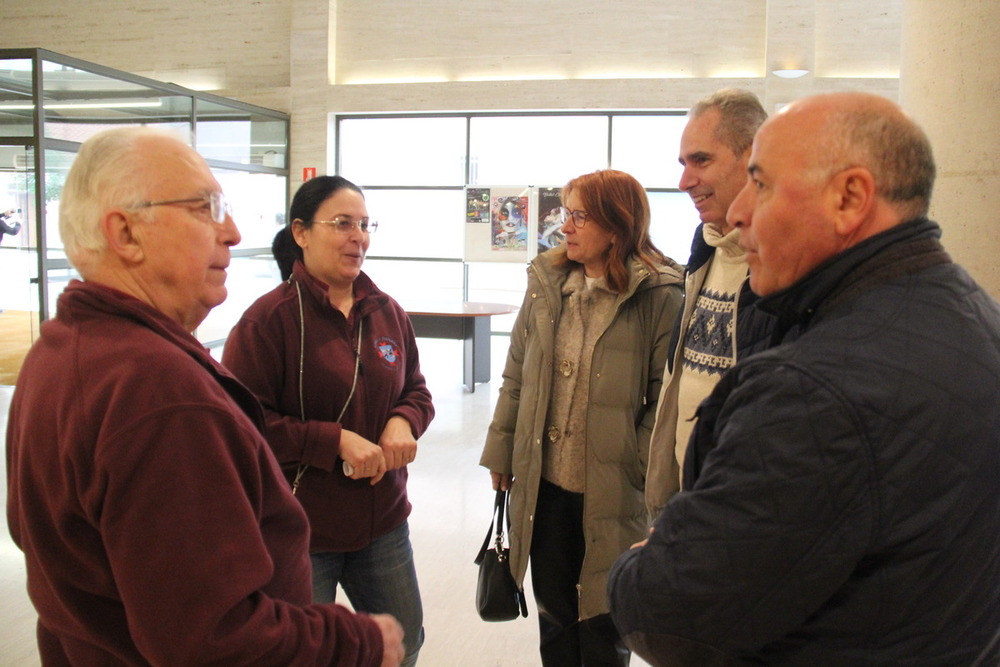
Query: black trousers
x=557, y=549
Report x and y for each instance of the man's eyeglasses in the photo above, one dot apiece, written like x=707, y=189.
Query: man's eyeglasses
x=217, y=205
x=578, y=217
x=347, y=225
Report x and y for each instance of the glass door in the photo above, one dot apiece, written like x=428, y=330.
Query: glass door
x=19, y=315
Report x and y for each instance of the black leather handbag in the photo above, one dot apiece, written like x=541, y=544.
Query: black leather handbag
x=497, y=596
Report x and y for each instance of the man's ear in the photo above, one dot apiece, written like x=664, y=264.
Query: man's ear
x=118, y=227
x=854, y=199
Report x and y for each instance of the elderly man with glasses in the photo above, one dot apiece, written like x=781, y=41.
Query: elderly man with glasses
x=155, y=522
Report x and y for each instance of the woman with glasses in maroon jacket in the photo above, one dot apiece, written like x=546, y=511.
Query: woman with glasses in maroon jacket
x=334, y=363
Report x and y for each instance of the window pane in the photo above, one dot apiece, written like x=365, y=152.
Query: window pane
x=674, y=219
x=258, y=202
x=79, y=104
x=647, y=147
x=241, y=136
x=247, y=278
x=18, y=260
x=17, y=196
x=57, y=164
x=498, y=282
x=536, y=150
x=16, y=106
x=402, y=151
x=416, y=281
x=417, y=223
x=57, y=280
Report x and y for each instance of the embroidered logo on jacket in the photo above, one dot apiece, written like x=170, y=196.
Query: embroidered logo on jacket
x=388, y=349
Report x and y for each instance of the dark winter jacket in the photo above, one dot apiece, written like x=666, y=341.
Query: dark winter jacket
x=844, y=501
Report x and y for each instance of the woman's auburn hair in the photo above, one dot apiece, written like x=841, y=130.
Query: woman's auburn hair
x=617, y=202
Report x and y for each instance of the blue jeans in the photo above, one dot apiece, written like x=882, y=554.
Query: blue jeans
x=379, y=579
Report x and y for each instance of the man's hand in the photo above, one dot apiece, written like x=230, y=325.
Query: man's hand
x=398, y=444
x=392, y=639
x=639, y=545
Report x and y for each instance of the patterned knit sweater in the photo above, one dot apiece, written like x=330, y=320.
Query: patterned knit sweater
x=709, y=346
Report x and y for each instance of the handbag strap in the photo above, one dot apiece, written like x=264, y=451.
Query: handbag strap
x=501, y=505
x=496, y=524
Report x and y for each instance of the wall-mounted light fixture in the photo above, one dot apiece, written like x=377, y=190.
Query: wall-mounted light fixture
x=790, y=73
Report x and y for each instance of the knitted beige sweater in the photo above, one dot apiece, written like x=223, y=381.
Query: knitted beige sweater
x=587, y=310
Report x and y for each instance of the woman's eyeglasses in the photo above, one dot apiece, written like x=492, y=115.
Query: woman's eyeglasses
x=347, y=225
x=578, y=217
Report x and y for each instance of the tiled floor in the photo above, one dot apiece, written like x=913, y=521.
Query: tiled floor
x=451, y=499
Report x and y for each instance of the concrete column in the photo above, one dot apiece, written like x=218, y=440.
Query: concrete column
x=313, y=49
x=950, y=84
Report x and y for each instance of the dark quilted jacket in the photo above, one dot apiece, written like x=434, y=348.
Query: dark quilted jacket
x=843, y=500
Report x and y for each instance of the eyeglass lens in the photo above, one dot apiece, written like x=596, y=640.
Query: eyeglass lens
x=579, y=218
x=347, y=225
x=220, y=207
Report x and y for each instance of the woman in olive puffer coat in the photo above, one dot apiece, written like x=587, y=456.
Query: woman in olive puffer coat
x=570, y=432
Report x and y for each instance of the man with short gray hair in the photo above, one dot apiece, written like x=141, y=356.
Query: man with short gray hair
x=718, y=324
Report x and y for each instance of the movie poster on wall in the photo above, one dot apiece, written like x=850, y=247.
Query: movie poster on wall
x=477, y=205
x=549, y=220
x=501, y=223
x=509, y=215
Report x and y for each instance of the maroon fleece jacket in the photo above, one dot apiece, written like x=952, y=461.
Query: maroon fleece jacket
x=263, y=352
x=155, y=522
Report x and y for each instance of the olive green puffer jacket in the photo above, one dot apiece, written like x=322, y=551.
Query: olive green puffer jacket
x=625, y=380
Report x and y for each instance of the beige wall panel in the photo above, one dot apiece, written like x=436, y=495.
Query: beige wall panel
x=232, y=45
x=576, y=94
x=459, y=40
x=859, y=39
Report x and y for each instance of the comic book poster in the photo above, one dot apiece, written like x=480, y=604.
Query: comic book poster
x=510, y=224
x=549, y=220
x=477, y=207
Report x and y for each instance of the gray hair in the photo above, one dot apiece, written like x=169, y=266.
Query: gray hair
x=106, y=173
x=742, y=114
x=891, y=146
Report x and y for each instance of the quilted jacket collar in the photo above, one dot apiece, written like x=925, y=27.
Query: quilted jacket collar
x=905, y=249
